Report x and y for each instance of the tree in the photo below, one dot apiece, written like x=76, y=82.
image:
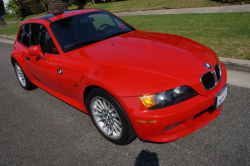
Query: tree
x=13, y=6
x=2, y=12
x=57, y=6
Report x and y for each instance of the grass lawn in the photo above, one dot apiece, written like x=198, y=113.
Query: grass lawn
x=17, y=19
x=137, y=5
x=226, y=33
x=9, y=29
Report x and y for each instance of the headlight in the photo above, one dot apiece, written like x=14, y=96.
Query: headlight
x=167, y=98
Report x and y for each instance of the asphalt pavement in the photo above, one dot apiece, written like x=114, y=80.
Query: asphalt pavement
x=39, y=129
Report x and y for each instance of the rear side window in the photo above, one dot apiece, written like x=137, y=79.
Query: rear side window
x=23, y=36
x=37, y=34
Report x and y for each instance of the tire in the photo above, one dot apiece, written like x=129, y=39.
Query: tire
x=109, y=117
x=22, y=78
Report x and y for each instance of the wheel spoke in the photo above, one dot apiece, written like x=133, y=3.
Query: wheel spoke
x=109, y=108
x=101, y=120
x=97, y=109
x=100, y=102
x=97, y=114
x=106, y=117
x=112, y=129
x=117, y=126
x=104, y=125
x=105, y=105
x=98, y=105
x=115, y=115
x=115, y=129
x=109, y=130
x=117, y=121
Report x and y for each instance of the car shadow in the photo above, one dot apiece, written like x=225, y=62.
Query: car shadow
x=147, y=158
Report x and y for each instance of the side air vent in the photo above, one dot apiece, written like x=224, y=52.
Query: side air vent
x=208, y=80
x=217, y=70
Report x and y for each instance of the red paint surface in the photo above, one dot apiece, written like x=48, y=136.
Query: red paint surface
x=129, y=65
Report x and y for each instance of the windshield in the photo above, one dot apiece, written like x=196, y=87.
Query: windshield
x=85, y=29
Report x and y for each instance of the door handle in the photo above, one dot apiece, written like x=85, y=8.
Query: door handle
x=28, y=58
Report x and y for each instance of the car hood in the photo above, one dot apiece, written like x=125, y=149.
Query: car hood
x=172, y=56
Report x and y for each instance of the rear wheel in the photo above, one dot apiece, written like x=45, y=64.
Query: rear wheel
x=109, y=117
x=22, y=78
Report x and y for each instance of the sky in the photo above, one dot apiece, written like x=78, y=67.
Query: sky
x=5, y=2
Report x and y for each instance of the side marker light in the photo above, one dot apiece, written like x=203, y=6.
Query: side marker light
x=75, y=84
x=146, y=121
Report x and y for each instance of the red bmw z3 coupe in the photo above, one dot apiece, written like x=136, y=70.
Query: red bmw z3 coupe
x=159, y=87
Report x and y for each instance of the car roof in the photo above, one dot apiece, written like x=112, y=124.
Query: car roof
x=55, y=17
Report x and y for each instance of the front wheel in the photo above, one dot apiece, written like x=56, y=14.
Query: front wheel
x=109, y=117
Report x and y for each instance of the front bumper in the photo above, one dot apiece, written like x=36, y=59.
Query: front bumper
x=191, y=115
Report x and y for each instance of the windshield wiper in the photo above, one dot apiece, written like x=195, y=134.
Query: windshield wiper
x=82, y=44
x=116, y=34
x=88, y=42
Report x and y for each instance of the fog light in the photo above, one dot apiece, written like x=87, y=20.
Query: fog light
x=172, y=126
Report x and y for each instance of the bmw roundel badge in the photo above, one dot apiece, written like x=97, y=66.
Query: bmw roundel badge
x=207, y=65
x=60, y=71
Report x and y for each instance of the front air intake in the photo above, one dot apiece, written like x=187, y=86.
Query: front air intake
x=208, y=80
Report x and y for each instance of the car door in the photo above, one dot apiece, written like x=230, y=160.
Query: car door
x=44, y=70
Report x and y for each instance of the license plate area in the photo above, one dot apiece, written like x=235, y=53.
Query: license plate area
x=220, y=97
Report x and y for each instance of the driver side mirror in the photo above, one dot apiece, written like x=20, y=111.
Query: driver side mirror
x=36, y=51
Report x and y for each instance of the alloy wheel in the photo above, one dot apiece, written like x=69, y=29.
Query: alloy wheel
x=106, y=117
x=20, y=75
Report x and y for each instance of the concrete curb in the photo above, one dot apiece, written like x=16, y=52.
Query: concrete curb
x=231, y=63
x=8, y=37
x=216, y=9
x=14, y=22
x=236, y=64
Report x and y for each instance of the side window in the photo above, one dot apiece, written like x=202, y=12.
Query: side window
x=40, y=36
x=23, y=36
x=51, y=48
x=37, y=36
